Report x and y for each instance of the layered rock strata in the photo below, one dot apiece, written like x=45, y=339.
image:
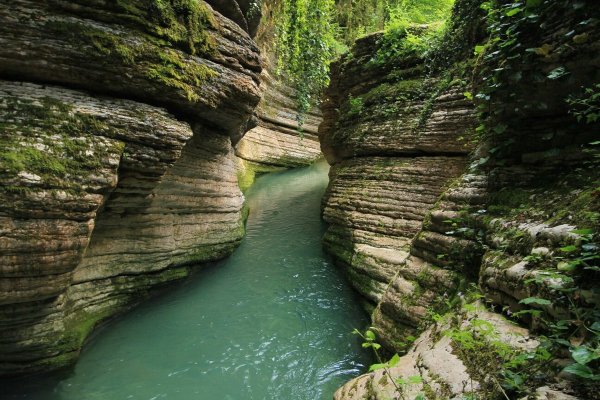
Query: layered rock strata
x=510, y=219
x=118, y=171
x=394, y=145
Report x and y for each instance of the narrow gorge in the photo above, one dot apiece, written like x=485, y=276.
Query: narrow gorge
x=462, y=207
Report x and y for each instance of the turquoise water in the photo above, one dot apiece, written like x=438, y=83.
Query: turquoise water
x=273, y=321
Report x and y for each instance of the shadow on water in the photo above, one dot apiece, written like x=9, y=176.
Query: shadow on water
x=273, y=321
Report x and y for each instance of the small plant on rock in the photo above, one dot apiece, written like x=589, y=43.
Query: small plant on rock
x=399, y=383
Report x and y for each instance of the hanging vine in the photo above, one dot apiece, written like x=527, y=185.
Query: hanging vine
x=306, y=42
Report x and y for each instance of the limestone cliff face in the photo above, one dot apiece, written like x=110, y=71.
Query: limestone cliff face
x=278, y=140
x=430, y=201
x=117, y=168
x=394, y=145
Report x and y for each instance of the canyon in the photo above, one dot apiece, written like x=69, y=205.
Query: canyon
x=463, y=193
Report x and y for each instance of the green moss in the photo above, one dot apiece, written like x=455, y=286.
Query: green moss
x=511, y=198
x=178, y=21
x=95, y=41
x=570, y=198
x=48, y=138
x=249, y=171
x=59, y=361
x=31, y=159
x=404, y=89
x=173, y=70
x=245, y=213
x=432, y=94
x=154, y=58
x=201, y=255
x=482, y=354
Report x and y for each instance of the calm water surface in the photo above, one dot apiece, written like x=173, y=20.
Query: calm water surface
x=272, y=322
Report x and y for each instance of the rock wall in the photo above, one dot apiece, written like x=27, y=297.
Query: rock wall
x=117, y=168
x=394, y=145
x=278, y=140
x=436, y=200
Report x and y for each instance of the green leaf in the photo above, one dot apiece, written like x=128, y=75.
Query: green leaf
x=487, y=6
x=568, y=249
x=557, y=73
x=468, y=95
x=580, y=370
x=478, y=49
x=535, y=300
x=500, y=129
x=568, y=266
x=394, y=360
x=583, y=232
x=415, y=379
x=584, y=355
x=595, y=326
x=535, y=313
x=482, y=161
x=375, y=367
x=370, y=335
x=366, y=345
x=533, y=3
x=376, y=346
x=513, y=11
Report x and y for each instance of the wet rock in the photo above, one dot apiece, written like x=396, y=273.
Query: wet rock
x=117, y=169
x=125, y=197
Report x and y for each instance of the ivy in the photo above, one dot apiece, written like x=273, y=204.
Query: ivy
x=586, y=108
x=305, y=46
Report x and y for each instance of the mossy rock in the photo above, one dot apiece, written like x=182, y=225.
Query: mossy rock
x=51, y=143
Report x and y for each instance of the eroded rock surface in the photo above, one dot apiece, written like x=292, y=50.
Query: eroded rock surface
x=423, y=214
x=125, y=52
x=394, y=145
x=118, y=171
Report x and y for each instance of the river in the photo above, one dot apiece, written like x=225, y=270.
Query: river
x=272, y=322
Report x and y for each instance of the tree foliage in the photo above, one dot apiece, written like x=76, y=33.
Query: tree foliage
x=312, y=32
x=360, y=17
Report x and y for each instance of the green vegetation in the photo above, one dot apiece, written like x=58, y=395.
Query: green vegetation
x=155, y=59
x=305, y=47
x=587, y=106
x=496, y=365
x=399, y=383
x=181, y=22
x=360, y=17
x=403, y=44
x=30, y=143
x=561, y=283
x=312, y=32
x=564, y=305
x=356, y=106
